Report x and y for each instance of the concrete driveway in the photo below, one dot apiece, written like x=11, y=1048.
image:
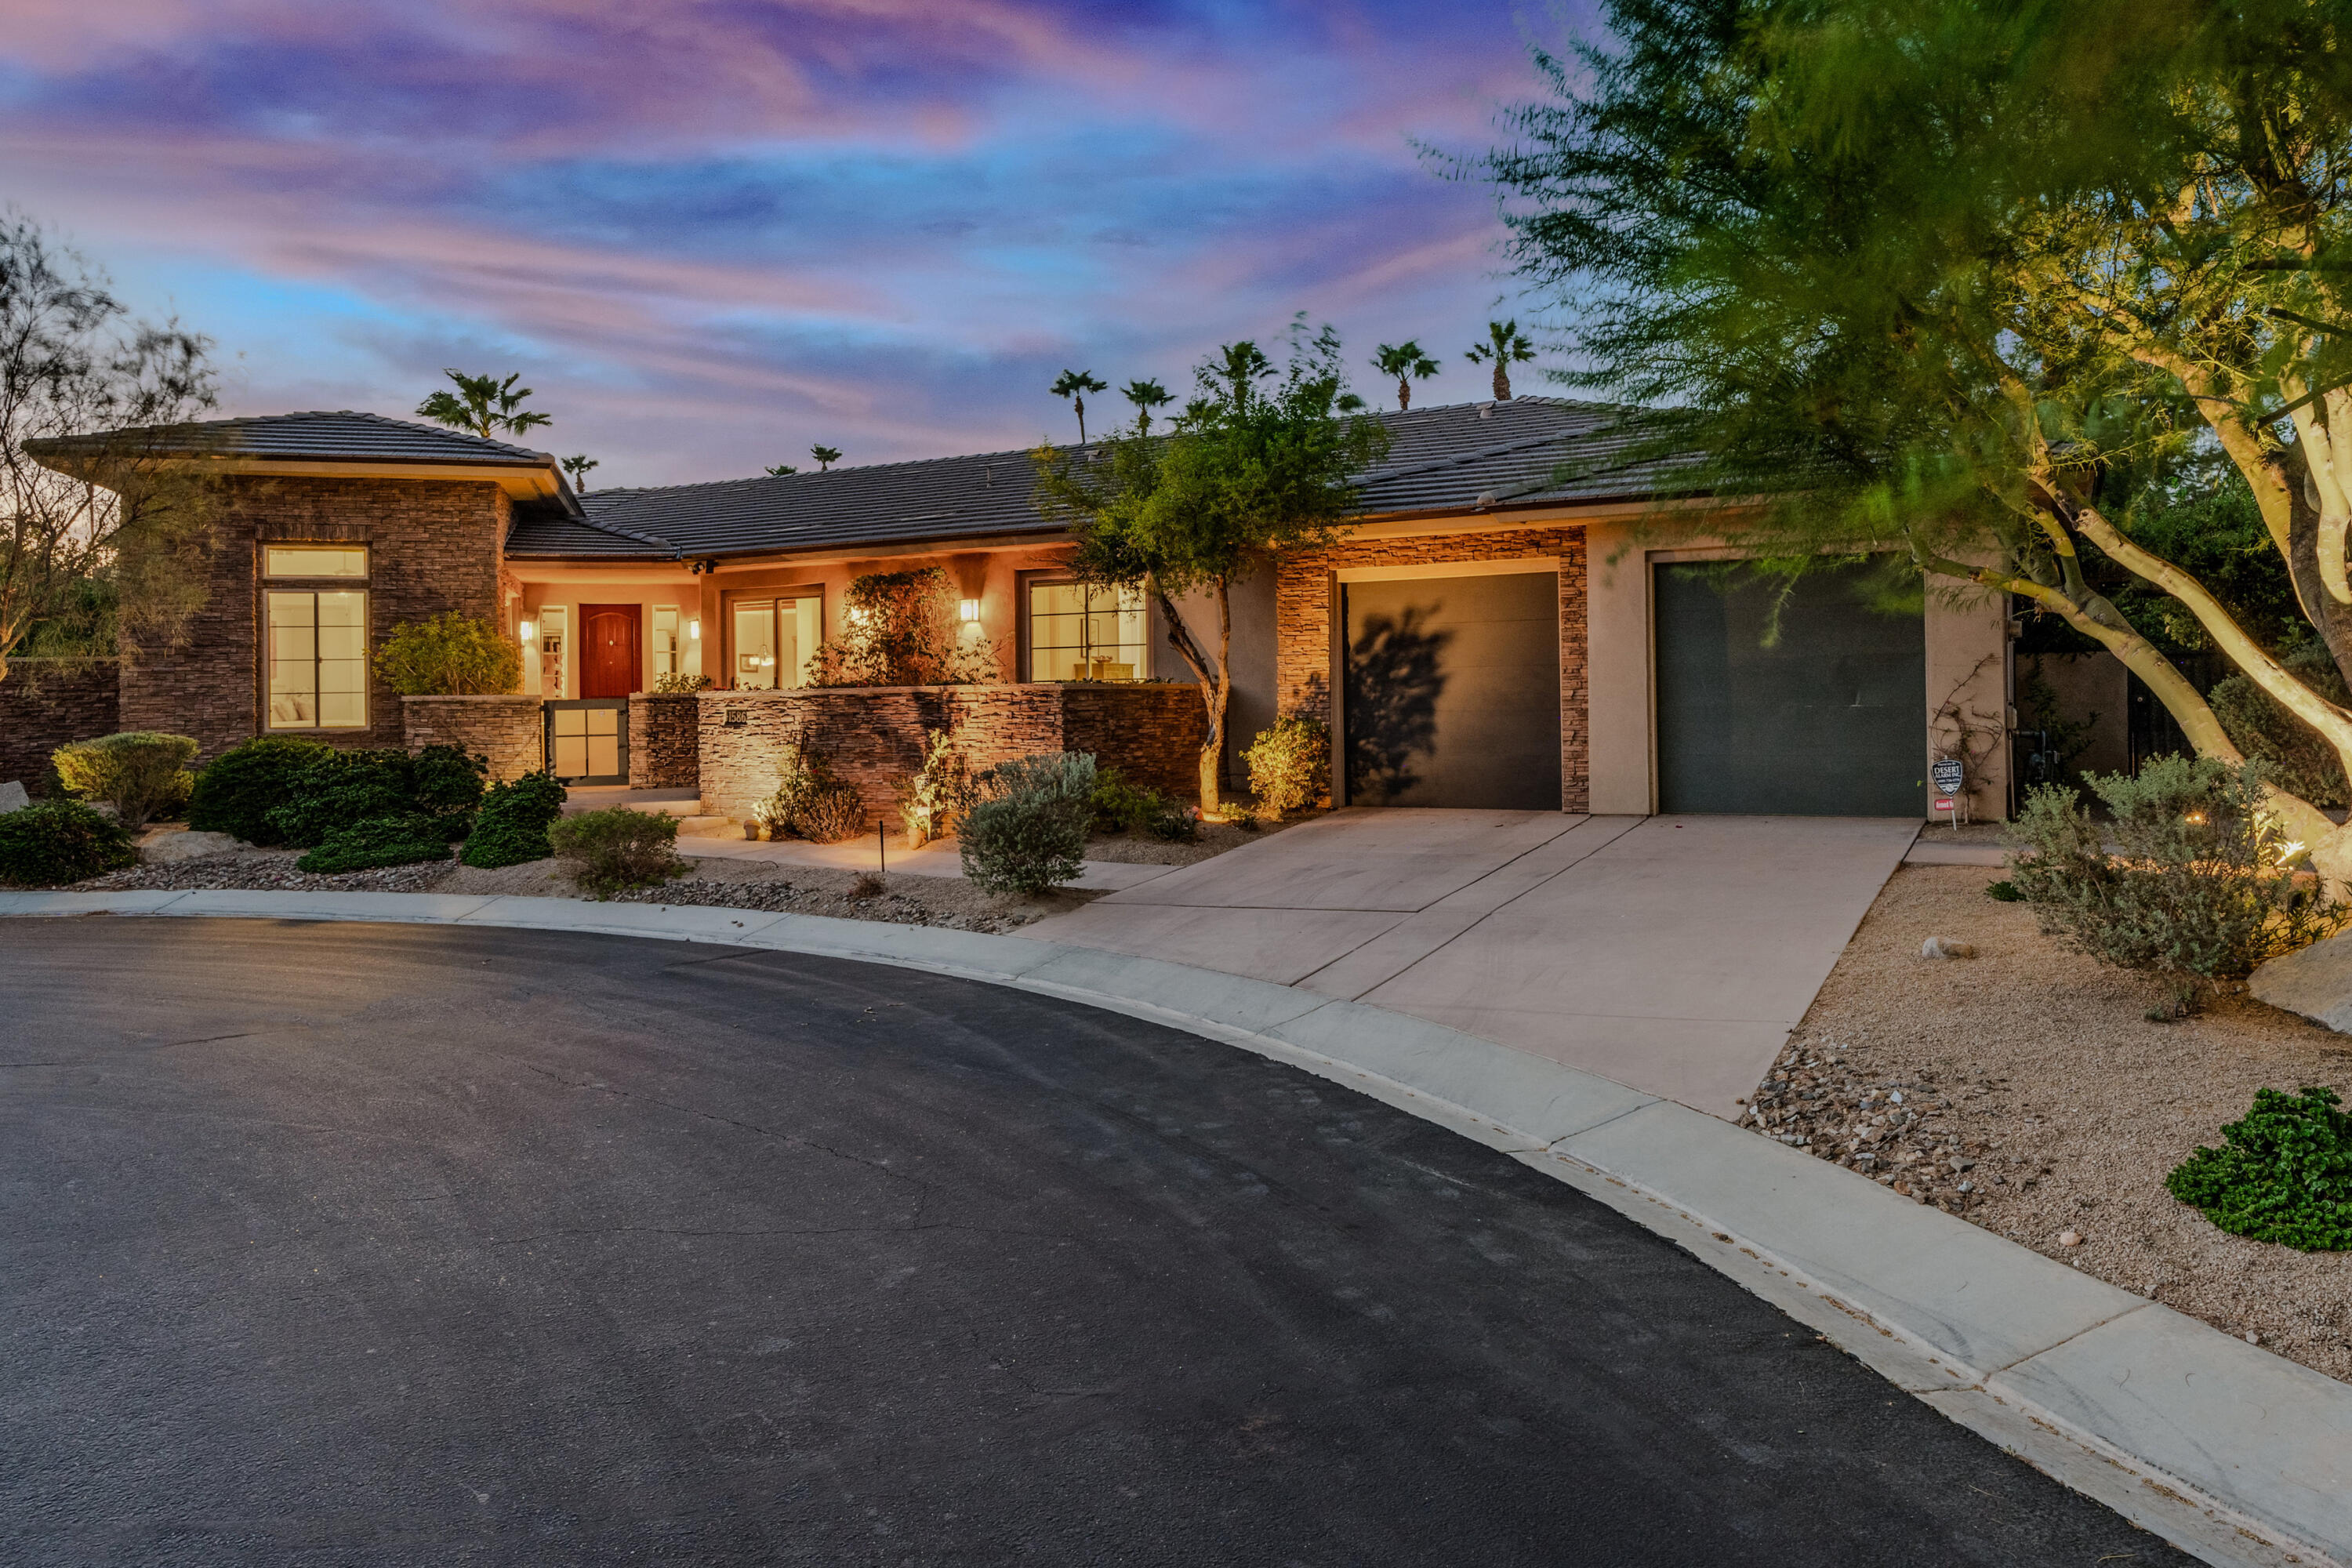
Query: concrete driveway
x=1672, y=954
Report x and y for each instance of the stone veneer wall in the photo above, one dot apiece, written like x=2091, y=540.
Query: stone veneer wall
x=665, y=742
x=41, y=712
x=870, y=736
x=1303, y=630
x=506, y=729
x=433, y=546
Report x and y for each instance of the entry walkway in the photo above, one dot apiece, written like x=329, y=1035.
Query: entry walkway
x=1671, y=953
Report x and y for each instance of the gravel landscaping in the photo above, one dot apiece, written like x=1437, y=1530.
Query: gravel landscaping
x=1216, y=837
x=2038, y=1100
x=268, y=870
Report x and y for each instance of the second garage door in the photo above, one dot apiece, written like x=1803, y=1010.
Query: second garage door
x=1451, y=692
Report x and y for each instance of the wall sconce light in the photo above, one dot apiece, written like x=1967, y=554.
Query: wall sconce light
x=529, y=631
x=971, y=608
x=694, y=631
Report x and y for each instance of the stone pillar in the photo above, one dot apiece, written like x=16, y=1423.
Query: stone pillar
x=664, y=749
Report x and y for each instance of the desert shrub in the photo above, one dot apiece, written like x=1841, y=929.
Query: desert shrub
x=57, y=841
x=2283, y=1173
x=932, y=801
x=450, y=654
x=398, y=840
x=343, y=788
x=1289, y=763
x=810, y=802
x=2296, y=759
x=1176, y=822
x=2199, y=890
x=619, y=848
x=511, y=826
x=680, y=685
x=901, y=628
x=1031, y=832
x=1122, y=807
x=238, y=791
x=142, y=774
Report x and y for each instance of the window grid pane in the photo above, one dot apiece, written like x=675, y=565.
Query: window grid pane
x=316, y=660
x=1082, y=633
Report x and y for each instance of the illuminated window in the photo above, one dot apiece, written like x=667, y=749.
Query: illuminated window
x=666, y=648
x=1077, y=632
x=774, y=639
x=316, y=647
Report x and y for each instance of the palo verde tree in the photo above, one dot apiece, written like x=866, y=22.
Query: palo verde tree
x=1405, y=362
x=1260, y=461
x=105, y=530
x=1506, y=346
x=482, y=405
x=1973, y=281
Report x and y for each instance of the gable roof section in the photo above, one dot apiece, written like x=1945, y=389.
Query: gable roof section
x=1453, y=459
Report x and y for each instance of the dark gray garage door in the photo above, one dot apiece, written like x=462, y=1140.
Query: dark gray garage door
x=1831, y=721
x=1453, y=692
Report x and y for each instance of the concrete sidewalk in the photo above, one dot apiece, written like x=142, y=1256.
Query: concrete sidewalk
x=2231, y=1453
x=1672, y=954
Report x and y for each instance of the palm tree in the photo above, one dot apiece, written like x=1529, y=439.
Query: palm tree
x=1145, y=395
x=826, y=456
x=1505, y=346
x=1238, y=367
x=483, y=404
x=778, y=470
x=1075, y=385
x=1405, y=362
x=577, y=465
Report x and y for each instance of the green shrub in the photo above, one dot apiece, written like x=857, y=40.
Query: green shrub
x=142, y=773
x=346, y=787
x=511, y=828
x=54, y=842
x=678, y=685
x=2198, y=892
x=619, y=848
x=2295, y=758
x=1122, y=807
x=237, y=793
x=1176, y=822
x=1289, y=765
x=933, y=800
x=810, y=802
x=1031, y=833
x=2283, y=1173
x=399, y=840
x=450, y=654
x=2003, y=892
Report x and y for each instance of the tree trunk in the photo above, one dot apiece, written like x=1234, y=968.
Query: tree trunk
x=1502, y=381
x=1214, y=676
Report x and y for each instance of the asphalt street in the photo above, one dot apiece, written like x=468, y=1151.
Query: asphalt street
x=340, y=1244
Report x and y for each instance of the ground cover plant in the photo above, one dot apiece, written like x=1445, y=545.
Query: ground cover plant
x=401, y=839
x=810, y=802
x=619, y=848
x=1030, y=833
x=142, y=774
x=54, y=842
x=1288, y=764
x=243, y=785
x=511, y=828
x=2200, y=889
x=2283, y=1173
x=343, y=788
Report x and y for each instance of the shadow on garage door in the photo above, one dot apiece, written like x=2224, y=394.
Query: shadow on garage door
x=1830, y=720
x=1451, y=692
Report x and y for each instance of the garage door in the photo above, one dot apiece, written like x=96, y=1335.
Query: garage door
x=1829, y=720
x=1453, y=692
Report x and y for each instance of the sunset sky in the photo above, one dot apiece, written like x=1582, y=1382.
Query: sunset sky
x=713, y=232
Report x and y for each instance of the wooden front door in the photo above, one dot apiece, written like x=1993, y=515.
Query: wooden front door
x=609, y=650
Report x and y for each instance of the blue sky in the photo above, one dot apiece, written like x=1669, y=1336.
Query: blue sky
x=713, y=232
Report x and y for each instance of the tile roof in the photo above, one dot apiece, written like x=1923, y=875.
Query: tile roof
x=316, y=436
x=1453, y=459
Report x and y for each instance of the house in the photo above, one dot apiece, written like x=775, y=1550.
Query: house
x=1486, y=634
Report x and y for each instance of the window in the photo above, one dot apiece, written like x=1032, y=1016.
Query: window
x=666, y=648
x=773, y=640
x=554, y=621
x=317, y=644
x=1077, y=632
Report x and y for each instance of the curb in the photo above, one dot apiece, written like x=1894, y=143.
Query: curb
x=2232, y=1454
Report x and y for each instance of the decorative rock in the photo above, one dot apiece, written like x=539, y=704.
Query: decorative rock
x=1945, y=947
x=13, y=797
x=2316, y=982
x=169, y=846
x=2069, y=1238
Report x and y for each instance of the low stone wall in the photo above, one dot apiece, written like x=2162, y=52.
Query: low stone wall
x=506, y=730
x=42, y=707
x=873, y=735
x=664, y=742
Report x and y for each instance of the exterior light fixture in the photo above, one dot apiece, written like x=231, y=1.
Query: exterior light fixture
x=694, y=631
x=971, y=608
x=529, y=631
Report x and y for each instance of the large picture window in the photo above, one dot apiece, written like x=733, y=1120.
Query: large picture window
x=1077, y=632
x=317, y=637
x=773, y=640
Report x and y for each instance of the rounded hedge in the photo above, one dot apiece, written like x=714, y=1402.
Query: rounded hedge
x=59, y=841
x=237, y=793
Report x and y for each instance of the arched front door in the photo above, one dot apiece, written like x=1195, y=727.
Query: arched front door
x=609, y=648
